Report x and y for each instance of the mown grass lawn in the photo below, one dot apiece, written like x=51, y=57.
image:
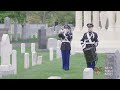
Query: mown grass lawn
x=54, y=68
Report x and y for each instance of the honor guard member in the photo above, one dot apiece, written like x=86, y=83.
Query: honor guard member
x=66, y=36
x=90, y=39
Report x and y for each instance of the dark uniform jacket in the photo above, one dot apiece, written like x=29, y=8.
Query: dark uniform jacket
x=93, y=38
x=66, y=43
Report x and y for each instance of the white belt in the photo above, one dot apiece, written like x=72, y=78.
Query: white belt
x=90, y=43
x=66, y=41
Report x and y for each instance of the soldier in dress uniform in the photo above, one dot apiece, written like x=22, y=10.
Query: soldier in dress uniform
x=66, y=36
x=90, y=39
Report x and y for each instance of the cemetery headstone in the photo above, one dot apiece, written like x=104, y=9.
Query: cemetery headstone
x=25, y=31
x=39, y=60
x=3, y=31
x=54, y=77
x=42, y=39
x=6, y=49
x=7, y=22
x=52, y=43
x=26, y=60
x=14, y=61
x=116, y=69
x=88, y=73
x=15, y=29
x=22, y=47
x=6, y=70
x=51, y=54
x=112, y=66
x=32, y=47
x=59, y=43
x=58, y=52
x=34, y=58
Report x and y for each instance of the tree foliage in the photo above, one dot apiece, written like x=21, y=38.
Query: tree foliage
x=36, y=17
x=19, y=15
x=61, y=17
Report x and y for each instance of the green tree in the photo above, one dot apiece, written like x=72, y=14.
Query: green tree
x=19, y=15
x=43, y=17
x=61, y=17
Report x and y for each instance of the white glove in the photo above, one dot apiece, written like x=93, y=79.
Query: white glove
x=96, y=44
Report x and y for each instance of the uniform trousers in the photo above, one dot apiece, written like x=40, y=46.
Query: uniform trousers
x=65, y=59
x=91, y=65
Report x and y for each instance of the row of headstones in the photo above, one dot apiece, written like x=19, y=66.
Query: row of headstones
x=35, y=59
x=87, y=74
x=15, y=31
x=112, y=65
x=16, y=26
x=26, y=33
x=6, y=50
x=29, y=31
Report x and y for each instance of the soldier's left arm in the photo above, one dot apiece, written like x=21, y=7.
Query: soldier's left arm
x=70, y=36
x=96, y=39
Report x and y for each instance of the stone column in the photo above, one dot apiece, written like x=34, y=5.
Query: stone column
x=77, y=31
x=78, y=20
x=96, y=20
x=87, y=19
x=103, y=19
x=117, y=19
x=111, y=20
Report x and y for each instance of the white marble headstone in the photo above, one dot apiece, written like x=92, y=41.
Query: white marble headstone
x=32, y=47
x=51, y=54
x=59, y=43
x=39, y=60
x=58, y=52
x=52, y=43
x=88, y=73
x=22, y=47
x=7, y=22
x=34, y=58
x=6, y=50
x=26, y=60
x=54, y=77
x=14, y=61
